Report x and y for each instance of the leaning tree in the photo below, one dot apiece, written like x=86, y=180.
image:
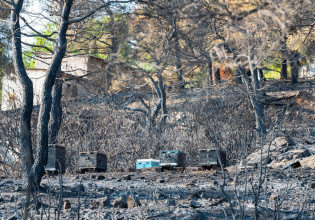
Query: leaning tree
x=69, y=12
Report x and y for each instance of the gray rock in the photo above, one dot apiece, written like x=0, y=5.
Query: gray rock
x=100, y=177
x=66, y=204
x=81, y=188
x=311, y=185
x=274, y=197
x=132, y=201
x=120, y=202
x=160, y=180
x=18, y=188
x=160, y=196
x=205, y=195
x=127, y=177
x=120, y=217
x=195, y=195
x=9, y=182
x=294, y=164
x=283, y=141
x=77, y=177
x=310, y=140
x=102, y=202
x=194, y=204
x=93, y=176
x=170, y=202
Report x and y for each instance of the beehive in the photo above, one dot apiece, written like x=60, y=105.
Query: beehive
x=93, y=160
x=56, y=159
x=172, y=158
x=209, y=157
x=147, y=163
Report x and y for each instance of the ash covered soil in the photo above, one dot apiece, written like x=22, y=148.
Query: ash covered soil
x=287, y=194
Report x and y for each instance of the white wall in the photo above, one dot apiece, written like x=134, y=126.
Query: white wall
x=75, y=65
x=307, y=71
x=12, y=90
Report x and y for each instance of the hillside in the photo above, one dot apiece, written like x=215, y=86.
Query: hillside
x=196, y=119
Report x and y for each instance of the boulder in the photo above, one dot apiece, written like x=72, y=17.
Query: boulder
x=294, y=164
x=311, y=185
x=132, y=201
x=283, y=142
x=274, y=197
x=194, y=204
x=170, y=202
x=100, y=177
x=120, y=202
x=66, y=204
x=127, y=177
x=101, y=202
x=160, y=180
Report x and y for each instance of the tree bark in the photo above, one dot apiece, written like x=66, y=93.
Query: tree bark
x=261, y=75
x=179, y=68
x=56, y=111
x=238, y=76
x=294, y=64
x=28, y=93
x=255, y=99
x=209, y=77
x=163, y=97
x=255, y=95
x=284, y=69
x=217, y=77
x=284, y=66
x=46, y=98
x=113, y=50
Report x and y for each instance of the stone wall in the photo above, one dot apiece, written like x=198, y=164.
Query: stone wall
x=88, y=75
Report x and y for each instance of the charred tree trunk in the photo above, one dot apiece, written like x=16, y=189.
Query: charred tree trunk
x=238, y=76
x=113, y=50
x=294, y=64
x=28, y=93
x=179, y=68
x=255, y=99
x=56, y=110
x=163, y=98
x=284, y=69
x=261, y=74
x=46, y=99
x=209, y=77
x=217, y=77
x=284, y=65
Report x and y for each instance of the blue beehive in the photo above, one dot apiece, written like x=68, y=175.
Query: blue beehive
x=147, y=163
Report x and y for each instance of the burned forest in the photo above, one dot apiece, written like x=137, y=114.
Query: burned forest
x=165, y=109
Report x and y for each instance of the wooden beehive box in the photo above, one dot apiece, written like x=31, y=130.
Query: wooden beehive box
x=56, y=158
x=172, y=158
x=209, y=157
x=93, y=160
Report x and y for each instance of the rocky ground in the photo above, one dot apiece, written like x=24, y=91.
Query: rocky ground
x=287, y=189
x=286, y=193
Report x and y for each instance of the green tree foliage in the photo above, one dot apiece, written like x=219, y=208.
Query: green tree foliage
x=41, y=45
